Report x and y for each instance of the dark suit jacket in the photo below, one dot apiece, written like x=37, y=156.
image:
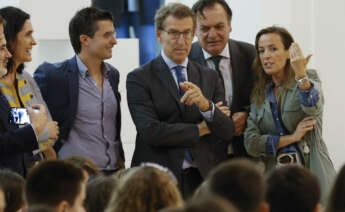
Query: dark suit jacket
x=14, y=142
x=59, y=87
x=147, y=9
x=242, y=56
x=166, y=127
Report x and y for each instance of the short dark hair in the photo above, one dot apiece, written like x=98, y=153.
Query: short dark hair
x=52, y=182
x=293, y=188
x=98, y=193
x=205, y=203
x=40, y=208
x=15, y=20
x=85, y=164
x=239, y=181
x=84, y=22
x=199, y=6
x=176, y=10
x=13, y=187
x=210, y=203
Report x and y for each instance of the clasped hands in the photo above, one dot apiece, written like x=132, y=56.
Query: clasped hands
x=239, y=118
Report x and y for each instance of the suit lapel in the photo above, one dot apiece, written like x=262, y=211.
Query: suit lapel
x=4, y=110
x=193, y=76
x=164, y=74
x=199, y=55
x=72, y=76
x=235, y=69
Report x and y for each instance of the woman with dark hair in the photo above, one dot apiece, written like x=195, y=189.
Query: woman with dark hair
x=285, y=121
x=13, y=187
x=17, y=85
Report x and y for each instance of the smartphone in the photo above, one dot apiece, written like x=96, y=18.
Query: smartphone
x=20, y=116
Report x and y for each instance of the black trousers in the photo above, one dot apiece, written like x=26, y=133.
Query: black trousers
x=190, y=181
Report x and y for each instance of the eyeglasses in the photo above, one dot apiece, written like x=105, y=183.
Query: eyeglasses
x=176, y=34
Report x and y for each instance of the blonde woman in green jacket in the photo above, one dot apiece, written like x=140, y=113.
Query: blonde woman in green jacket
x=285, y=122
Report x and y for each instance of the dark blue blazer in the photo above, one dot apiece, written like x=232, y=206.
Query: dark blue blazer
x=59, y=84
x=14, y=142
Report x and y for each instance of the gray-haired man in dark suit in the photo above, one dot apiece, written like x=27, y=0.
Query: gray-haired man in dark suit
x=172, y=102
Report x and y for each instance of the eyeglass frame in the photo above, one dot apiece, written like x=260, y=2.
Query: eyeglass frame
x=177, y=34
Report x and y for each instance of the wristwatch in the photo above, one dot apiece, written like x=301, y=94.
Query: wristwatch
x=302, y=80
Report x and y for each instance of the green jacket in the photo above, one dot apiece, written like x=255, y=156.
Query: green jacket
x=260, y=125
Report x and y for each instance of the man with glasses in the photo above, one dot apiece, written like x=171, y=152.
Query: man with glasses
x=230, y=58
x=173, y=104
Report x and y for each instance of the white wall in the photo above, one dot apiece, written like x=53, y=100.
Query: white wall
x=5, y=3
x=329, y=52
x=50, y=18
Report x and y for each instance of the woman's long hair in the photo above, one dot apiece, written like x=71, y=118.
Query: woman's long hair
x=258, y=93
x=15, y=20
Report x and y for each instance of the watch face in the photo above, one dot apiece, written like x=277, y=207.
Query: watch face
x=303, y=80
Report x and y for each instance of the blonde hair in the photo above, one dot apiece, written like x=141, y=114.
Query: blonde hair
x=145, y=189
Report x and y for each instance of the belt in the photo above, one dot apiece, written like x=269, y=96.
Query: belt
x=287, y=158
x=108, y=172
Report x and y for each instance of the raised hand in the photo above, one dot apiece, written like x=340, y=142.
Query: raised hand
x=298, y=61
x=193, y=95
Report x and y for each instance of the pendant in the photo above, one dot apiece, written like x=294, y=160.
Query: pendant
x=306, y=149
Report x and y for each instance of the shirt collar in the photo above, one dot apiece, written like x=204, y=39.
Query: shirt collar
x=225, y=53
x=269, y=92
x=171, y=64
x=84, y=70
